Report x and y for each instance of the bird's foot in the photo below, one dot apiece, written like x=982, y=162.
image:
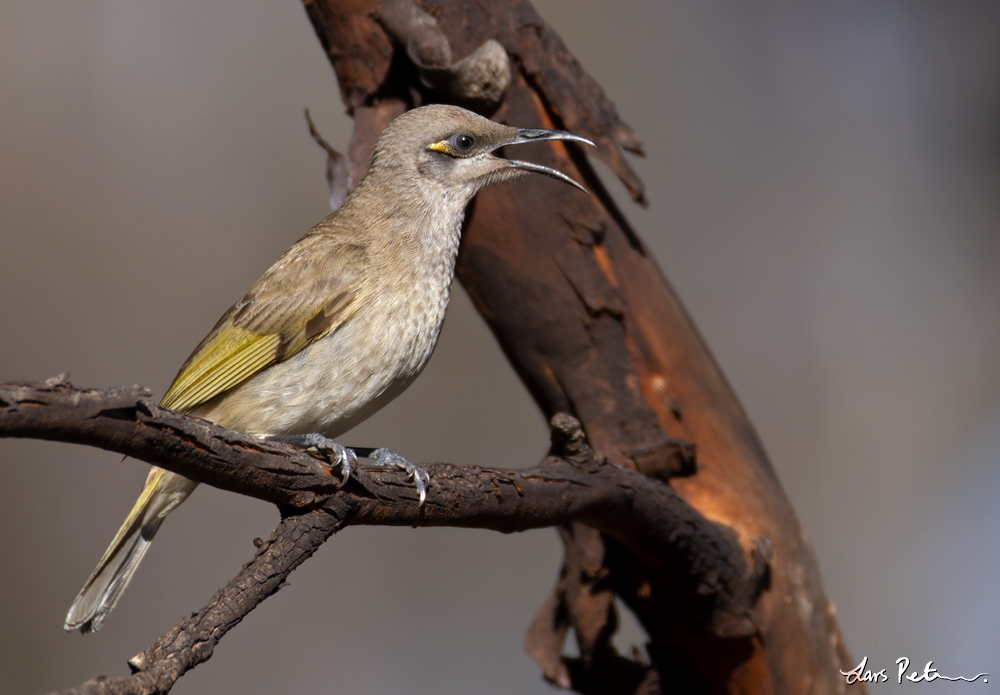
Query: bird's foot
x=421, y=479
x=339, y=455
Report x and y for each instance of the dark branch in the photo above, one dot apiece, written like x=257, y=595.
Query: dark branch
x=127, y=421
x=699, y=561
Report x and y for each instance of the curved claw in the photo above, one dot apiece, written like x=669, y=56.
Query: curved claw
x=421, y=478
x=348, y=461
x=340, y=456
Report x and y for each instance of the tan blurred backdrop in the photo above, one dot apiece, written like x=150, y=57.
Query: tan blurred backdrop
x=824, y=186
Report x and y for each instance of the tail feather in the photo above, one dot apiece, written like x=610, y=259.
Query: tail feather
x=161, y=494
x=102, y=591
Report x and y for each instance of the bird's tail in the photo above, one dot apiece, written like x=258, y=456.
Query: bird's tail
x=161, y=494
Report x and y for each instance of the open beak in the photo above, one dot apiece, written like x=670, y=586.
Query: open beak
x=537, y=135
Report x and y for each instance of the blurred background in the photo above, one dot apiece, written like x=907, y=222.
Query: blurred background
x=824, y=196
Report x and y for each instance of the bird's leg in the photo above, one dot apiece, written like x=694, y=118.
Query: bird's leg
x=338, y=454
x=387, y=458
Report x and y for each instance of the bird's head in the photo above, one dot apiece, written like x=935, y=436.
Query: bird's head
x=451, y=148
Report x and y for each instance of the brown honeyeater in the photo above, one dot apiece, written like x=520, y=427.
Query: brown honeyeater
x=340, y=325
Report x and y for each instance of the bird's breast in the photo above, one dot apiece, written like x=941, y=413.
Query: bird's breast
x=344, y=377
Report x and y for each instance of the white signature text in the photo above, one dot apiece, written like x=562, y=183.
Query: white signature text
x=862, y=674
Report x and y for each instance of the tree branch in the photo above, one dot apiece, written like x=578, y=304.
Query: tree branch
x=193, y=641
x=701, y=559
x=699, y=563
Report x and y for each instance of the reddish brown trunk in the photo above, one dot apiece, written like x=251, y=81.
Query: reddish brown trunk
x=593, y=329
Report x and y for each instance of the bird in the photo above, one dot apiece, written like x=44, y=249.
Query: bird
x=340, y=324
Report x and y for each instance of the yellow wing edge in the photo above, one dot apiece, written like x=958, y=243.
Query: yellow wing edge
x=230, y=358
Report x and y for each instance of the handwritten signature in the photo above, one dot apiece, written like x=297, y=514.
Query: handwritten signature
x=862, y=674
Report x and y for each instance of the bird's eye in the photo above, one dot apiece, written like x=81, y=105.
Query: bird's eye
x=463, y=142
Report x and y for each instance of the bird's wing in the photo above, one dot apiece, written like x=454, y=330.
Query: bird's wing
x=308, y=293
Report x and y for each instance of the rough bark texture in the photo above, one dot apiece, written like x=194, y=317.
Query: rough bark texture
x=593, y=329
